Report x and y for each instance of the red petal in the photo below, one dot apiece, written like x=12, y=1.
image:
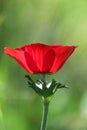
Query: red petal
x=36, y=53
x=19, y=56
x=31, y=63
x=48, y=61
x=62, y=54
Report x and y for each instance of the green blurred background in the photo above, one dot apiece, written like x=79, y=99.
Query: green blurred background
x=45, y=21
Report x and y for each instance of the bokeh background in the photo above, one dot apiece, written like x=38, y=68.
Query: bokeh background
x=45, y=21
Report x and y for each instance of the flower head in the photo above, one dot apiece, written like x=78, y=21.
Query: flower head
x=40, y=58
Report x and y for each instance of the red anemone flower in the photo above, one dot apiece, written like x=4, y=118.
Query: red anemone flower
x=40, y=58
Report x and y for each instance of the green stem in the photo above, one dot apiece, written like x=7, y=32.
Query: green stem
x=45, y=114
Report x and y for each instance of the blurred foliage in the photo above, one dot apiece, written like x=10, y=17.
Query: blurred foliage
x=45, y=21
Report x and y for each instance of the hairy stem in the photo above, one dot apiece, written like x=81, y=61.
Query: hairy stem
x=45, y=115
